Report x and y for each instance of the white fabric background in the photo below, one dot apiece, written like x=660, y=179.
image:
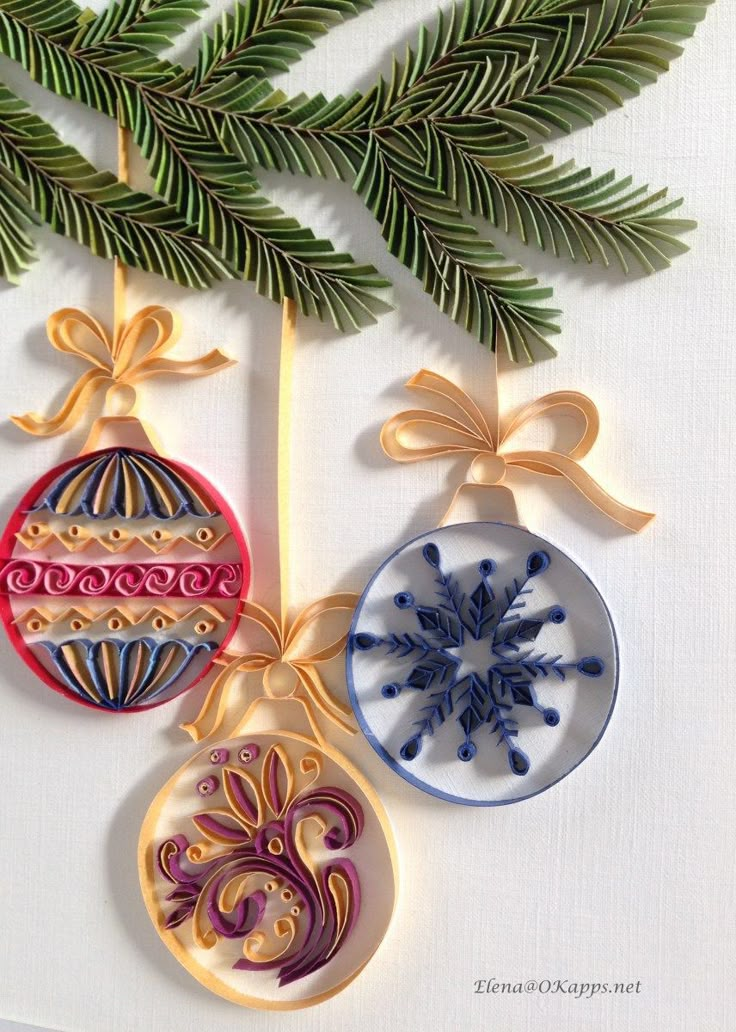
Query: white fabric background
x=625, y=870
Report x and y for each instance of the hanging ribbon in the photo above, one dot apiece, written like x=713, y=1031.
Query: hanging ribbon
x=288, y=668
x=135, y=353
x=468, y=430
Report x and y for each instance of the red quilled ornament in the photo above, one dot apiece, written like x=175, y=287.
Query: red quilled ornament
x=121, y=571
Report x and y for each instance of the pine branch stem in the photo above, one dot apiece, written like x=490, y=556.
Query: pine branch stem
x=120, y=273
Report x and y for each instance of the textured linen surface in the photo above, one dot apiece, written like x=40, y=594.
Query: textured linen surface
x=625, y=870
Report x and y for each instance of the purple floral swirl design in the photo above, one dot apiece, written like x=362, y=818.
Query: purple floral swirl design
x=252, y=876
x=125, y=580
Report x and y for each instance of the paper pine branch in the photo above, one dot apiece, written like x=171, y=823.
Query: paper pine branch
x=453, y=132
x=92, y=207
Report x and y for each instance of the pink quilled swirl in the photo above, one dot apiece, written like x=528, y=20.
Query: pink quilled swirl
x=128, y=580
x=224, y=580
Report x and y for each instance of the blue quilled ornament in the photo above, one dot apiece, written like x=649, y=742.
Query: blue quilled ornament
x=482, y=662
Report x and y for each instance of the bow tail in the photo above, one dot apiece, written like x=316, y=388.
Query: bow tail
x=71, y=410
x=207, y=364
x=558, y=465
x=318, y=693
x=215, y=704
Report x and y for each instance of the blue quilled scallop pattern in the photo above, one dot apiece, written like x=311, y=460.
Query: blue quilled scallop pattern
x=126, y=483
x=115, y=674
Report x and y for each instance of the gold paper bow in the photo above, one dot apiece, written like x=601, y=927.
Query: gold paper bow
x=470, y=431
x=118, y=363
x=288, y=671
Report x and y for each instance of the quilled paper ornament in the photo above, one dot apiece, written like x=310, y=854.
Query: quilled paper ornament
x=267, y=866
x=121, y=571
x=482, y=662
x=267, y=862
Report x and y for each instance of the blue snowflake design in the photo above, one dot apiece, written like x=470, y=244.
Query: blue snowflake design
x=488, y=697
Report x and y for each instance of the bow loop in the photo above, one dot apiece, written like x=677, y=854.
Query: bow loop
x=467, y=430
x=309, y=616
x=145, y=338
x=580, y=405
x=462, y=403
x=266, y=621
x=398, y=432
x=467, y=421
x=91, y=345
x=136, y=353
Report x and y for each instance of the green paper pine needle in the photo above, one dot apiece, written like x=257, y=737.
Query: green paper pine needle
x=454, y=132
